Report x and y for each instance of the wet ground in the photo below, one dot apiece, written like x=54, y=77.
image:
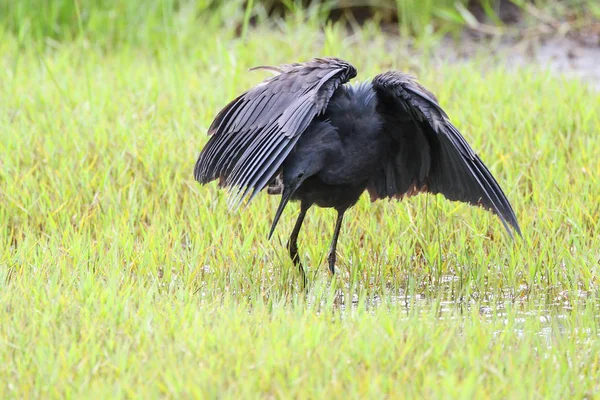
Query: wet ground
x=565, y=56
x=575, y=55
x=568, y=45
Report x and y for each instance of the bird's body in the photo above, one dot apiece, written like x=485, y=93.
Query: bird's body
x=328, y=142
x=344, y=146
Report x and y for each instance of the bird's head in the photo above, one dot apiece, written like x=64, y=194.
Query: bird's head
x=296, y=170
x=300, y=167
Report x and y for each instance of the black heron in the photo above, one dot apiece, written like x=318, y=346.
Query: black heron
x=326, y=142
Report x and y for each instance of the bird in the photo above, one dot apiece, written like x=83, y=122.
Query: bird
x=306, y=133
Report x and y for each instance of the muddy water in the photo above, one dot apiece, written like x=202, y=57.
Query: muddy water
x=568, y=57
x=565, y=57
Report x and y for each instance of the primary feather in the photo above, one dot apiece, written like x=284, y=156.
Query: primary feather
x=254, y=133
x=455, y=170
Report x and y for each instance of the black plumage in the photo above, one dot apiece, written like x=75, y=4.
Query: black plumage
x=327, y=142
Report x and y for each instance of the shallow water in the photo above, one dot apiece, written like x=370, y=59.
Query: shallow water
x=551, y=315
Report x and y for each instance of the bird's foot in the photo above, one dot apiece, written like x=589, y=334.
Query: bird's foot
x=293, y=249
x=304, y=280
x=331, y=258
x=275, y=186
x=302, y=274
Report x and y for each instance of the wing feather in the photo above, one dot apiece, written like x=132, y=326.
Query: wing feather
x=252, y=135
x=449, y=166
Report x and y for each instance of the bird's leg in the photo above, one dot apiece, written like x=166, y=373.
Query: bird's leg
x=336, y=234
x=292, y=244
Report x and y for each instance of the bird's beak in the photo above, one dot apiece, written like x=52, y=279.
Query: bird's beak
x=285, y=197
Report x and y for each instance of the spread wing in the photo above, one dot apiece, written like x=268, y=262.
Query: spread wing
x=252, y=135
x=428, y=154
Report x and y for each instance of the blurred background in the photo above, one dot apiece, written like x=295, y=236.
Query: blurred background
x=561, y=34
x=109, y=23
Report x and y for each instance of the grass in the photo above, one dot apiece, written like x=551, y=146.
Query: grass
x=120, y=276
x=153, y=23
